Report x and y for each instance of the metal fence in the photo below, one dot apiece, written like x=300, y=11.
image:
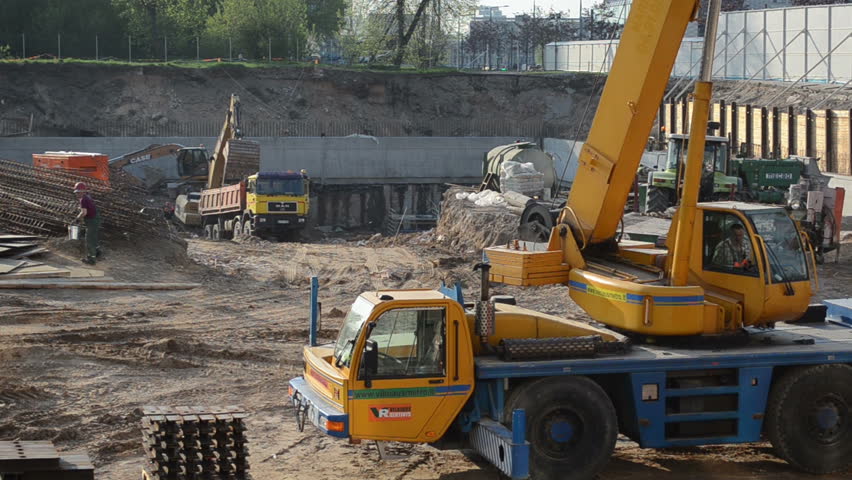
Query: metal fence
x=768, y=132
x=810, y=44
x=275, y=128
x=124, y=47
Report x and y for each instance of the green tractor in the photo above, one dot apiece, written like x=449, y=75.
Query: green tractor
x=662, y=191
x=745, y=179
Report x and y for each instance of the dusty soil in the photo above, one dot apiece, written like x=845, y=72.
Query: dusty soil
x=78, y=365
x=81, y=99
x=74, y=99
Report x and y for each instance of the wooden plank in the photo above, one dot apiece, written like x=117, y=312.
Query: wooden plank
x=58, y=284
x=32, y=251
x=7, y=266
x=12, y=238
x=77, y=272
x=41, y=271
x=18, y=245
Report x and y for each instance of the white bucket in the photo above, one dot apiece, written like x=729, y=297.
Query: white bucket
x=73, y=232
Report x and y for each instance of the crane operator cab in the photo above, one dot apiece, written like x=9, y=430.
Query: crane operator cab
x=752, y=263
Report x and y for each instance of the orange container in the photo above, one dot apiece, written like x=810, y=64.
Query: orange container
x=94, y=165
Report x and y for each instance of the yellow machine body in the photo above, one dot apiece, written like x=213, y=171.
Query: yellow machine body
x=635, y=287
x=258, y=204
x=415, y=407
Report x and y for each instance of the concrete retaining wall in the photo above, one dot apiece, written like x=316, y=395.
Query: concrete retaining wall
x=329, y=160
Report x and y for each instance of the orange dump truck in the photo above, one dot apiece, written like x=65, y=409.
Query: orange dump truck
x=94, y=165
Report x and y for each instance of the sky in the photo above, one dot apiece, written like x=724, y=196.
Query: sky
x=518, y=6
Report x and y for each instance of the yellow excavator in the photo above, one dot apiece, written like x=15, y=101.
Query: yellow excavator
x=692, y=346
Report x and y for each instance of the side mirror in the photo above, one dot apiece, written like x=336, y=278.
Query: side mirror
x=370, y=361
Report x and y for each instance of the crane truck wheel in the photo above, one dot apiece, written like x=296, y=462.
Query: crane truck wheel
x=571, y=426
x=809, y=418
x=658, y=200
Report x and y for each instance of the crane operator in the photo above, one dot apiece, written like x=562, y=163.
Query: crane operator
x=734, y=251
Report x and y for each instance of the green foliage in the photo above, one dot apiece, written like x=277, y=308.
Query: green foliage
x=40, y=21
x=252, y=23
x=325, y=17
x=5, y=51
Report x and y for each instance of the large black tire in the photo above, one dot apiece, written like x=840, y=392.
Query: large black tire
x=809, y=418
x=238, y=228
x=659, y=200
x=208, y=232
x=571, y=426
x=216, y=233
x=247, y=230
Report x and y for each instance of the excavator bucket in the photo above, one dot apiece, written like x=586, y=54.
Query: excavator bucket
x=242, y=158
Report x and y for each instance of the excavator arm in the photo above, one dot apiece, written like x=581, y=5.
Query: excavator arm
x=230, y=130
x=151, y=152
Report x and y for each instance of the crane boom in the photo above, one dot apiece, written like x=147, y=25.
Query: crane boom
x=628, y=105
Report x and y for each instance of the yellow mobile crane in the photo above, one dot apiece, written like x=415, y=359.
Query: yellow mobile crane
x=728, y=264
x=545, y=397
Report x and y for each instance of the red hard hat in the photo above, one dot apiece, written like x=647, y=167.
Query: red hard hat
x=80, y=187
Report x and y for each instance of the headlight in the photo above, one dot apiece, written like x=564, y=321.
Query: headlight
x=262, y=219
x=796, y=205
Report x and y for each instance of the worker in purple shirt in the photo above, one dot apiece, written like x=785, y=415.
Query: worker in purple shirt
x=89, y=214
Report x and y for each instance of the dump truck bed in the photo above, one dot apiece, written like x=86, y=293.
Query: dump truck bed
x=227, y=199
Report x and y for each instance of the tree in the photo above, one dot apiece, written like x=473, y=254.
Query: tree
x=41, y=20
x=537, y=30
x=603, y=23
x=254, y=23
x=325, y=17
x=143, y=18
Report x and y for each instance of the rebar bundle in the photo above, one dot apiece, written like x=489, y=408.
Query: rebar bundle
x=190, y=443
x=40, y=201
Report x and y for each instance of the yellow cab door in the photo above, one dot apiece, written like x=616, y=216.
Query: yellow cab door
x=411, y=390
x=730, y=265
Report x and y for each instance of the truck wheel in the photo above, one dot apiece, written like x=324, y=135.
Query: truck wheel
x=571, y=426
x=238, y=228
x=208, y=232
x=216, y=233
x=247, y=231
x=809, y=418
x=658, y=200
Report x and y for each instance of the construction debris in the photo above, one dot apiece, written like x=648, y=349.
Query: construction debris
x=19, y=246
x=90, y=284
x=40, y=201
x=195, y=442
x=39, y=460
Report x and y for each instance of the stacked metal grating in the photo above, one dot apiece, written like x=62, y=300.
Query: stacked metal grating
x=189, y=443
x=39, y=201
x=549, y=348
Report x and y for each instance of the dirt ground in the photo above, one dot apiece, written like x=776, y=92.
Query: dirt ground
x=79, y=99
x=78, y=365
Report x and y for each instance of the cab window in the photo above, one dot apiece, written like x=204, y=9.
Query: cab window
x=410, y=343
x=251, y=186
x=727, y=246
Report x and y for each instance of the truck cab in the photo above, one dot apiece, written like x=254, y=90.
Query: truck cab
x=402, y=357
x=277, y=201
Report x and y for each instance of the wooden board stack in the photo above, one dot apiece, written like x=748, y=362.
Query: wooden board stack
x=16, y=264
